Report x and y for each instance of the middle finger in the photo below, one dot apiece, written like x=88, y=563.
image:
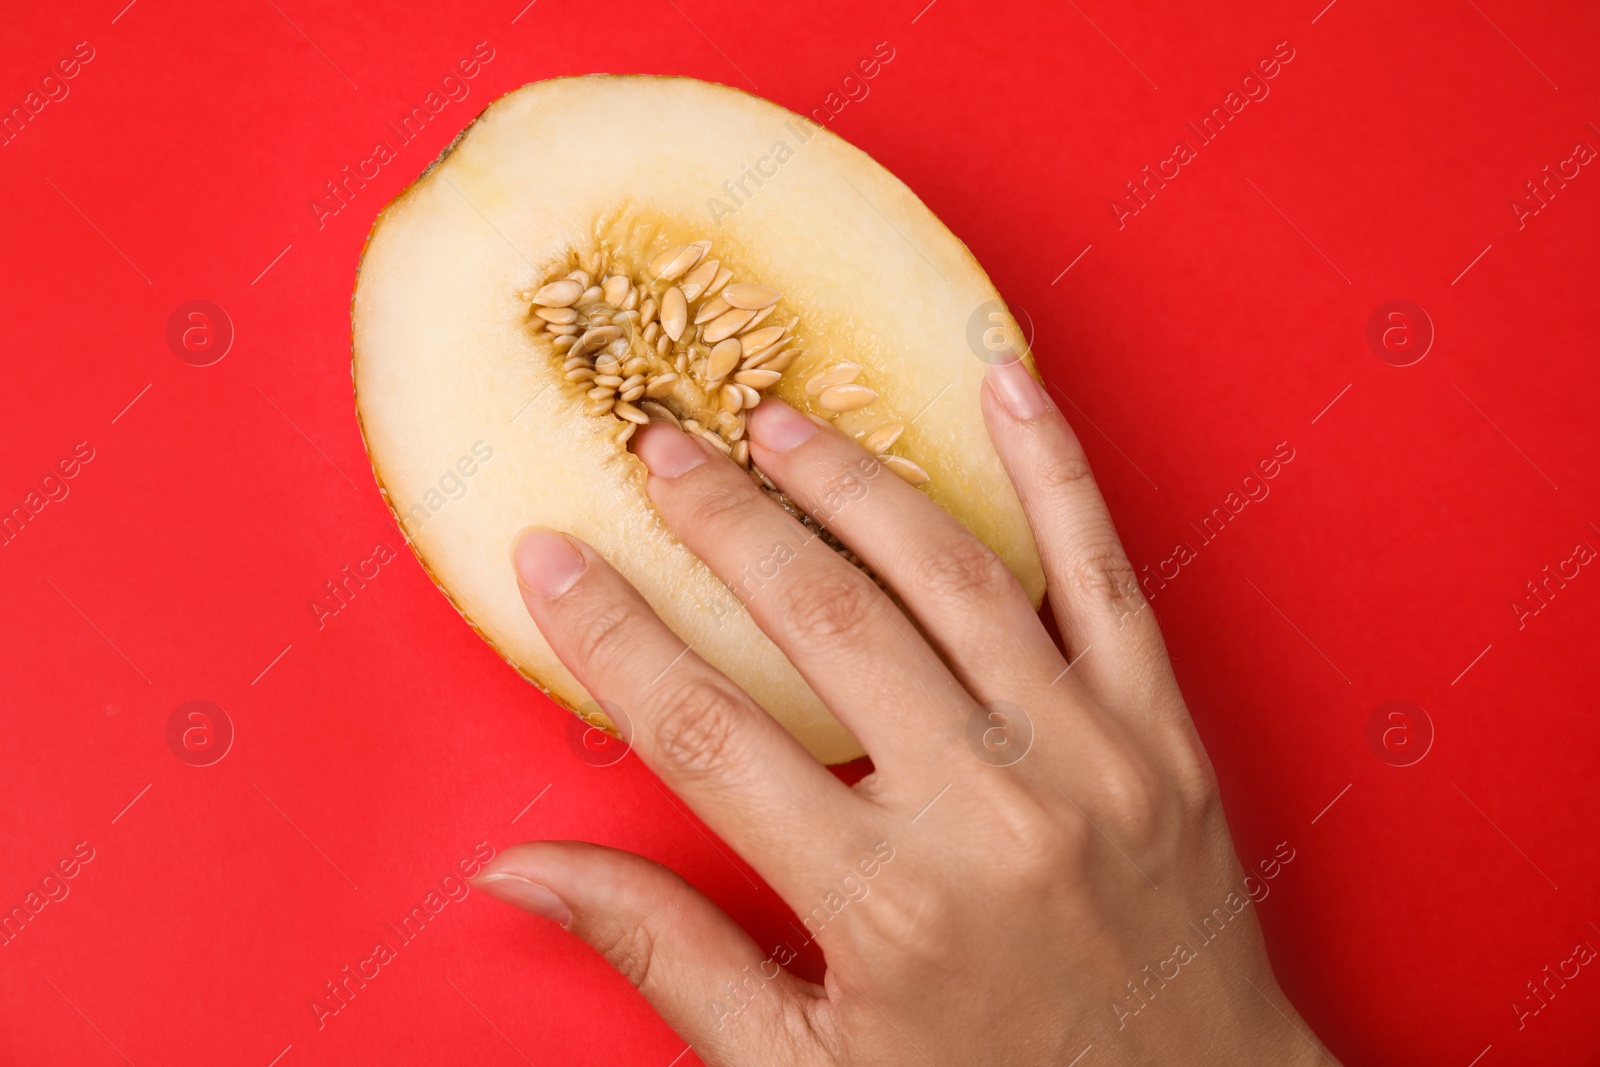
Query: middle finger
x=857, y=651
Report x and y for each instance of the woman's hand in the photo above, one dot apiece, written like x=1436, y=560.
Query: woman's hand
x=1081, y=904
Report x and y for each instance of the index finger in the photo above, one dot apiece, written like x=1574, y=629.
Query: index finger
x=741, y=772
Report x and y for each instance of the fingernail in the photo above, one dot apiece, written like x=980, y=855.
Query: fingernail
x=531, y=897
x=667, y=451
x=547, y=562
x=777, y=427
x=1022, y=395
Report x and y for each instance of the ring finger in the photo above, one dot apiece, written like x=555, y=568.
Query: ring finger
x=966, y=600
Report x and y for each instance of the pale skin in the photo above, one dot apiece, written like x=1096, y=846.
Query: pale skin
x=1086, y=896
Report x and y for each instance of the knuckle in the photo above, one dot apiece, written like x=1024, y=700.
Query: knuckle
x=1103, y=572
x=844, y=485
x=599, y=632
x=964, y=570
x=1039, y=846
x=830, y=610
x=631, y=950
x=904, y=921
x=1194, y=778
x=720, y=504
x=697, y=728
x=795, y=1028
x=1200, y=796
x=1065, y=473
x=1137, y=802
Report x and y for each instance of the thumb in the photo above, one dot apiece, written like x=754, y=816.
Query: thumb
x=703, y=974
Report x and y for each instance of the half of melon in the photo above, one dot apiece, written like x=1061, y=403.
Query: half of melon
x=596, y=252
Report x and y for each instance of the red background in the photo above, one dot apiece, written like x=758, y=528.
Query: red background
x=1221, y=319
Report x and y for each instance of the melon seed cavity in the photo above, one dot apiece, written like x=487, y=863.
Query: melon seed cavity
x=676, y=338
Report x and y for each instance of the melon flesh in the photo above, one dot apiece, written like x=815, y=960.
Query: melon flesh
x=447, y=366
